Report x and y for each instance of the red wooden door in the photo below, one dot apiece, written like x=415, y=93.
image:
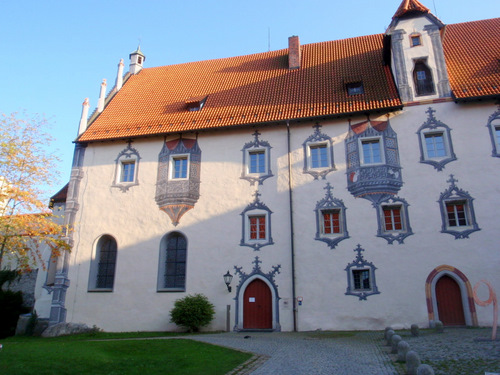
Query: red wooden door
x=257, y=306
x=449, y=301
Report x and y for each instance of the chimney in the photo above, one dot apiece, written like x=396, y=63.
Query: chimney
x=85, y=114
x=119, y=77
x=102, y=96
x=294, y=52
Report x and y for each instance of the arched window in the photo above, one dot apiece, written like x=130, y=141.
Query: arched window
x=172, y=268
x=102, y=271
x=422, y=77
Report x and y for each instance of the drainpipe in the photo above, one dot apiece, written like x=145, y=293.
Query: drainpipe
x=292, y=233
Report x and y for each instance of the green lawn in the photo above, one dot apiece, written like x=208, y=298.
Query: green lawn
x=78, y=355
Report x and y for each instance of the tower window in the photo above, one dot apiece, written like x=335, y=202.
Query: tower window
x=415, y=40
x=422, y=77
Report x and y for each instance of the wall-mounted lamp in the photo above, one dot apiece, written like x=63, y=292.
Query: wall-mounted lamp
x=227, y=279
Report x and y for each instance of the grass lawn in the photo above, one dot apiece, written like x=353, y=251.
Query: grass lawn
x=78, y=355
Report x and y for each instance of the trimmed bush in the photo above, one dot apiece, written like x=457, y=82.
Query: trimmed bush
x=11, y=305
x=192, y=312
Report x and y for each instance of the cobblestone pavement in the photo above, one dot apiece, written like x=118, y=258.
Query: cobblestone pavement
x=359, y=353
x=462, y=345
x=314, y=353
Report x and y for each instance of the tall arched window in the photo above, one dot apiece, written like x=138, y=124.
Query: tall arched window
x=422, y=77
x=102, y=271
x=172, y=268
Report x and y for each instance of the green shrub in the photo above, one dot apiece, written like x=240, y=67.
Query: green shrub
x=192, y=312
x=11, y=305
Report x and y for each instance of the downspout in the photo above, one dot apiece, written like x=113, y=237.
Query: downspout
x=292, y=233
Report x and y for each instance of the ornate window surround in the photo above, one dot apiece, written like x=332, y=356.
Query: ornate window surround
x=94, y=264
x=318, y=138
x=331, y=203
x=453, y=193
x=432, y=125
x=396, y=235
x=126, y=156
x=359, y=264
x=253, y=209
x=494, y=126
x=256, y=145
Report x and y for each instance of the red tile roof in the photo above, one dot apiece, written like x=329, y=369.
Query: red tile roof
x=250, y=89
x=260, y=89
x=472, y=53
x=410, y=7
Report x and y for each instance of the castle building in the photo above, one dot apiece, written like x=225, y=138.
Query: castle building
x=348, y=184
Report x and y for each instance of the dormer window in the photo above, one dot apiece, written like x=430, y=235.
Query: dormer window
x=415, y=40
x=196, y=104
x=422, y=78
x=355, y=88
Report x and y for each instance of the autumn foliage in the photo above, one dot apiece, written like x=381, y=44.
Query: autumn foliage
x=27, y=226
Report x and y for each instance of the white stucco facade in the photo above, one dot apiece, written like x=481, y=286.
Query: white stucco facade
x=213, y=229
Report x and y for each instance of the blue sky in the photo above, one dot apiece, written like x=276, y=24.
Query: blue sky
x=56, y=53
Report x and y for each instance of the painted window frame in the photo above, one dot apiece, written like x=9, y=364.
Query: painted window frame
x=494, y=127
x=456, y=195
x=257, y=151
x=254, y=209
x=256, y=145
x=434, y=126
x=315, y=140
x=162, y=263
x=393, y=235
x=127, y=156
x=172, y=171
x=96, y=262
x=329, y=203
x=360, y=264
x=381, y=147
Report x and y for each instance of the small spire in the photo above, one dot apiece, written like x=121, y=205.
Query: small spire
x=410, y=7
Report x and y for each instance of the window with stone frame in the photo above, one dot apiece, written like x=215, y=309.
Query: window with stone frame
x=393, y=219
x=126, y=168
x=318, y=154
x=331, y=226
x=256, y=225
x=361, y=280
x=436, y=147
x=457, y=211
x=256, y=162
x=179, y=167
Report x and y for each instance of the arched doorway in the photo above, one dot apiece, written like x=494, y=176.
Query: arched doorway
x=257, y=306
x=449, y=297
x=449, y=302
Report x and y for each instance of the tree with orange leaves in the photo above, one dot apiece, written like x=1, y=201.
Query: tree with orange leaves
x=27, y=226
